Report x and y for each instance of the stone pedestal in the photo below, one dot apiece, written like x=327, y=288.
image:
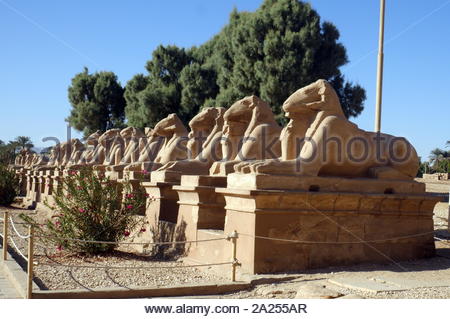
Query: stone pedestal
x=135, y=179
x=29, y=184
x=33, y=184
x=54, y=183
x=22, y=175
x=162, y=202
x=337, y=221
x=448, y=216
x=114, y=175
x=200, y=207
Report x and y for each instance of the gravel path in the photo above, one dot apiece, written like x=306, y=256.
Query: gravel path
x=50, y=277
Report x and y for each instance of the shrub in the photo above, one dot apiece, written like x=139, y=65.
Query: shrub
x=9, y=185
x=93, y=208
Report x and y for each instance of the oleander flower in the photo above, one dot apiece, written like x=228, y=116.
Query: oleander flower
x=130, y=206
x=81, y=210
x=126, y=233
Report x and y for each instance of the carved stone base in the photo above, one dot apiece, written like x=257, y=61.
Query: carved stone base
x=335, y=224
x=200, y=207
x=163, y=200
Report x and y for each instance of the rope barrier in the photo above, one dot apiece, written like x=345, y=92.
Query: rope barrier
x=124, y=243
x=440, y=239
x=243, y=234
x=334, y=243
x=17, y=248
x=16, y=231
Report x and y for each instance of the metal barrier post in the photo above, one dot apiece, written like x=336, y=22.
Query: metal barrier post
x=448, y=216
x=30, y=262
x=5, y=235
x=234, y=262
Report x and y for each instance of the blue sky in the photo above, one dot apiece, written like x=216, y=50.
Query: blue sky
x=45, y=43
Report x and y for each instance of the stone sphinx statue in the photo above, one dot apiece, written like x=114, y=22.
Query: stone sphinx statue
x=149, y=147
x=203, y=148
x=88, y=153
x=250, y=133
x=108, y=143
x=22, y=157
x=73, y=152
x=171, y=148
x=54, y=158
x=320, y=141
x=39, y=161
x=128, y=151
x=28, y=159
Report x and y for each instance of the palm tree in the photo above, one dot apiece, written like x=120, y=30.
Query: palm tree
x=23, y=142
x=438, y=155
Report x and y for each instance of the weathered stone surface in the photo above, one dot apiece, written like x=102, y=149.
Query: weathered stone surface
x=250, y=133
x=351, y=296
x=312, y=291
x=320, y=141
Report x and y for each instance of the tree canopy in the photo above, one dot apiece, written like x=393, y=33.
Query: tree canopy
x=271, y=52
x=23, y=142
x=97, y=102
x=8, y=151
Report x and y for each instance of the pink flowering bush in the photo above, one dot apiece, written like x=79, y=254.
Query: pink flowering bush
x=90, y=207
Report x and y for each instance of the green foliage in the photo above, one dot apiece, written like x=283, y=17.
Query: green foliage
x=151, y=98
x=271, y=53
x=9, y=185
x=443, y=166
x=439, y=162
x=7, y=153
x=424, y=168
x=97, y=102
x=437, y=156
x=91, y=208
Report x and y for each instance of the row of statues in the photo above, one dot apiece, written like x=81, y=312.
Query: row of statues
x=245, y=138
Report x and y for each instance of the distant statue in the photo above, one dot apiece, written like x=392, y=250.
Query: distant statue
x=128, y=151
x=21, y=158
x=108, y=144
x=203, y=145
x=173, y=146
